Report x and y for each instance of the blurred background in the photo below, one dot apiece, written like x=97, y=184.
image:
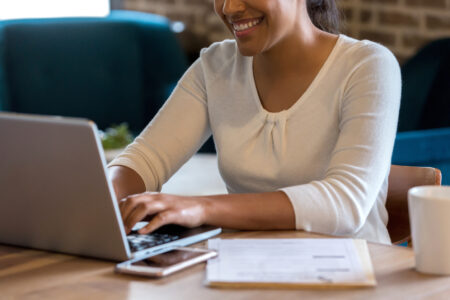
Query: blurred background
x=117, y=61
x=401, y=25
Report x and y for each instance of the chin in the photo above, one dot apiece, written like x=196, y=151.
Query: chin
x=247, y=51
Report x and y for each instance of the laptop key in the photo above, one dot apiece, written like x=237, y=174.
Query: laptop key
x=141, y=241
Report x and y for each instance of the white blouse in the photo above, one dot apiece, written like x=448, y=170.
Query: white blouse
x=330, y=152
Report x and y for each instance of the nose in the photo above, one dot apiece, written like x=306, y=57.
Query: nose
x=232, y=7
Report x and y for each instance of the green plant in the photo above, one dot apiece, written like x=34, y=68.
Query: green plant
x=116, y=136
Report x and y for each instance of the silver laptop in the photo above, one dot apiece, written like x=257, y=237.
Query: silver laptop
x=55, y=193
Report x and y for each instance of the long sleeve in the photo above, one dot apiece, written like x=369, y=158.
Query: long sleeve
x=174, y=134
x=330, y=152
x=341, y=202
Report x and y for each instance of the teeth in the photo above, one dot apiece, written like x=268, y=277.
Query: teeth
x=245, y=26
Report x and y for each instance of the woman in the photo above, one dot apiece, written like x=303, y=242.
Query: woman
x=303, y=119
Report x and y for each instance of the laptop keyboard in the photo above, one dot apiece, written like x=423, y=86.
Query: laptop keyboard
x=139, y=242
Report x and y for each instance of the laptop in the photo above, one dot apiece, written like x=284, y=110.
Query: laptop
x=55, y=193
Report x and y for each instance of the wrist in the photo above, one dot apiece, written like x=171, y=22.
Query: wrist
x=207, y=210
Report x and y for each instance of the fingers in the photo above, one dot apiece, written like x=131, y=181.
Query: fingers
x=142, y=210
x=161, y=219
x=136, y=207
x=136, y=215
x=167, y=209
x=127, y=204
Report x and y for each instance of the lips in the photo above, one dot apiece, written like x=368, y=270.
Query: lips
x=246, y=24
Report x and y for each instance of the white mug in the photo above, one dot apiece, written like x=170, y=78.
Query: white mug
x=429, y=215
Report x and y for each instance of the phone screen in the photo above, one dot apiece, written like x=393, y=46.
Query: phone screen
x=168, y=259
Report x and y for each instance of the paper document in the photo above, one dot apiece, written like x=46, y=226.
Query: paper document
x=290, y=262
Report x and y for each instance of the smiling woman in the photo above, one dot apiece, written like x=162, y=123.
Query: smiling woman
x=278, y=14
x=303, y=120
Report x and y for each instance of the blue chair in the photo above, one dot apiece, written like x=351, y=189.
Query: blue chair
x=120, y=68
x=423, y=137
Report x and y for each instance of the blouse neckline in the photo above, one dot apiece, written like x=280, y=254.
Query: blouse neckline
x=284, y=113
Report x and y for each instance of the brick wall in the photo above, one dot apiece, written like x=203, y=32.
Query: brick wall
x=401, y=25
x=202, y=25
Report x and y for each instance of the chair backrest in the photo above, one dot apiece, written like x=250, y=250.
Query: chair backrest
x=120, y=68
x=401, y=179
x=425, y=88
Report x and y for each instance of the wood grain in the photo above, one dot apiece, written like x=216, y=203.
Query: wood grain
x=31, y=274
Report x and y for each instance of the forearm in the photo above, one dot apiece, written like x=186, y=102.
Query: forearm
x=125, y=181
x=262, y=211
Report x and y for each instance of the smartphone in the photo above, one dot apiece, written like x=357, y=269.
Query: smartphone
x=166, y=263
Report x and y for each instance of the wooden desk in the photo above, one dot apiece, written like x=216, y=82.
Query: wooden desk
x=34, y=274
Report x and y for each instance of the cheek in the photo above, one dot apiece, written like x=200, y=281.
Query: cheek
x=218, y=4
x=282, y=14
x=279, y=26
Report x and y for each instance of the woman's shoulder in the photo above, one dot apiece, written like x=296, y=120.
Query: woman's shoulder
x=369, y=65
x=365, y=50
x=219, y=54
x=226, y=47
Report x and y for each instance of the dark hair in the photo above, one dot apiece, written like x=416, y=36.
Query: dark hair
x=324, y=14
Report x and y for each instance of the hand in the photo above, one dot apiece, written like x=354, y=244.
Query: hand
x=166, y=209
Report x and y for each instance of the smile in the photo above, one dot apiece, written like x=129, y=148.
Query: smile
x=245, y=25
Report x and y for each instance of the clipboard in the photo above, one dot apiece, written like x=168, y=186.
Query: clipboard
x=230, y=268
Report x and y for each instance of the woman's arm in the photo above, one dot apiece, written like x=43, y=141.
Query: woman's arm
x=256, y=211
x=178, y=130
x=125, y=181
x=341, y=202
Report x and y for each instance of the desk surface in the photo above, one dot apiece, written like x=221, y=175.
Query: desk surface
x=32, y=274
x=26, y=273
